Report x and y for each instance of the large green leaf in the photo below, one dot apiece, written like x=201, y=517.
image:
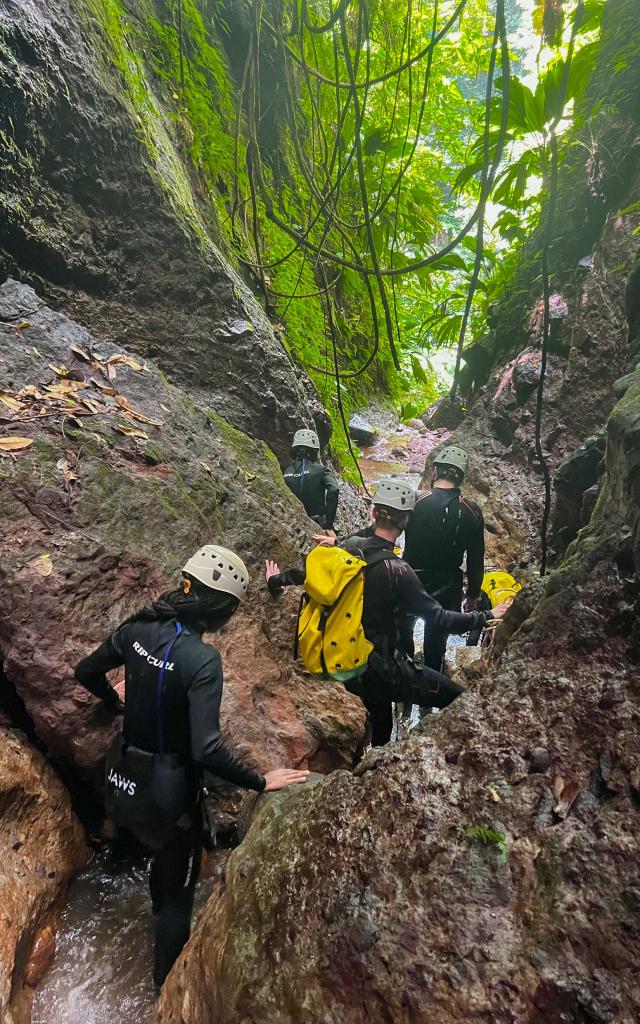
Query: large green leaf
x=373, y=142
x=525, y=115
x=451, y=262
x=419, y=371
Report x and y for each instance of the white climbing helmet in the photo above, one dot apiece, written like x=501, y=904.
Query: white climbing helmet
x=395, y=494
x=220, y=569
x=452, y=456
x=306, y=439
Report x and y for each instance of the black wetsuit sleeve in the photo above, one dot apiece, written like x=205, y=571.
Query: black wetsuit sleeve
x=293, y=577
x=207, y=746
x=330, y=499
x=413, y=598
x=91, y=671
x=475, y=558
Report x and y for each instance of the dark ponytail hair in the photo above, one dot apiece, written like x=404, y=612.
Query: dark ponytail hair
x=300, y=452
x=192, y=604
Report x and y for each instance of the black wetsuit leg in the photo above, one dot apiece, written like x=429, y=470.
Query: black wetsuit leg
x=374, y=694
x=431, y=689
x=381, y=718
x=435, y=640
x=172, y=882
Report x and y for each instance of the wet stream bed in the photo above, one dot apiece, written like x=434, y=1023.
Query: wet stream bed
x=399, y=451
x=101, y=972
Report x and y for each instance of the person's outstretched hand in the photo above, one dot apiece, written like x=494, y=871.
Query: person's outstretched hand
x=280, y=778
x=323, y=540
x=499, y=610
x=271, y=569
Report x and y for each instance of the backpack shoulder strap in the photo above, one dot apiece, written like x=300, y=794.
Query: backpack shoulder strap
x=380, y=555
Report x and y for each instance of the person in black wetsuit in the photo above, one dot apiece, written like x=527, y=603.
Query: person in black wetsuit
x=391, y=590
x=444, y=528
x=311, y=482
x=171, y=715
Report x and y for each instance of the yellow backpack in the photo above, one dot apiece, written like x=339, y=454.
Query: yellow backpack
x=499, y=587
x=329, y=634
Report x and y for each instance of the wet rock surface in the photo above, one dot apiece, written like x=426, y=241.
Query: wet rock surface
x=114, y=229
x=100, y=512
x=445, y=412
x=484, y=868
x=41, y=847
x=361, y=430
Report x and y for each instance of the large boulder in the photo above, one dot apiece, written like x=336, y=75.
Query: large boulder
x=578, y=473
x=41, y=847
x=445, y=412
x=123, y=477
x=104, y=212
x=361, y=431
x=484, y=869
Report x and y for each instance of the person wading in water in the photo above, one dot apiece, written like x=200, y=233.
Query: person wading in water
x=311, y=482
x=171, y=732
x=444, y=529
x=392, y=590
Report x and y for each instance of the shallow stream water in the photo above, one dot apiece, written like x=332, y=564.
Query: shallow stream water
x=101, y=973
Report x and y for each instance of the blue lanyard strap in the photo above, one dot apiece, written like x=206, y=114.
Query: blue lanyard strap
x=160, y=686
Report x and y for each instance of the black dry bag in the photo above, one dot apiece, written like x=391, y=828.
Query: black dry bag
x=148, y=793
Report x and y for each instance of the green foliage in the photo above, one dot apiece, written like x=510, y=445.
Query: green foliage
x=489, y=837
x=380, y=175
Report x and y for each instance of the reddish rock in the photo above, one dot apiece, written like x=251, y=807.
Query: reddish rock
x=443, y=882
x=41, y=847
x=82, y=554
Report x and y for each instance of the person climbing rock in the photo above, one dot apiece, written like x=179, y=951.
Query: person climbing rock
x=391, y=590
x=311, y=482
x=445, y=527
x=498, y=587
x=171, y=732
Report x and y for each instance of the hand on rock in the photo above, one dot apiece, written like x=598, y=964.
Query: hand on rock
x=330, y=533
x=281, y=778
x=271, y=569
x=499, y=611
x=324, y=540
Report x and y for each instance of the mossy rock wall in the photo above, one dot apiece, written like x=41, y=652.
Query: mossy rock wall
x=99, y=514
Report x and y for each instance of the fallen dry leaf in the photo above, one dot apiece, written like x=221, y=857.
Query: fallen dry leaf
x=42, y=563
x=60, y=371
x=207, y=467
x=130, y=411
x=13, y=403
x=558, y=786
x=66, y=470
x=494, y=795
x=105, y=388
x=568, y=797
x=120, y=359
x=29, y=391
x=93, y=407
x=80, y=352
x=131, y=431
x=15, y=444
